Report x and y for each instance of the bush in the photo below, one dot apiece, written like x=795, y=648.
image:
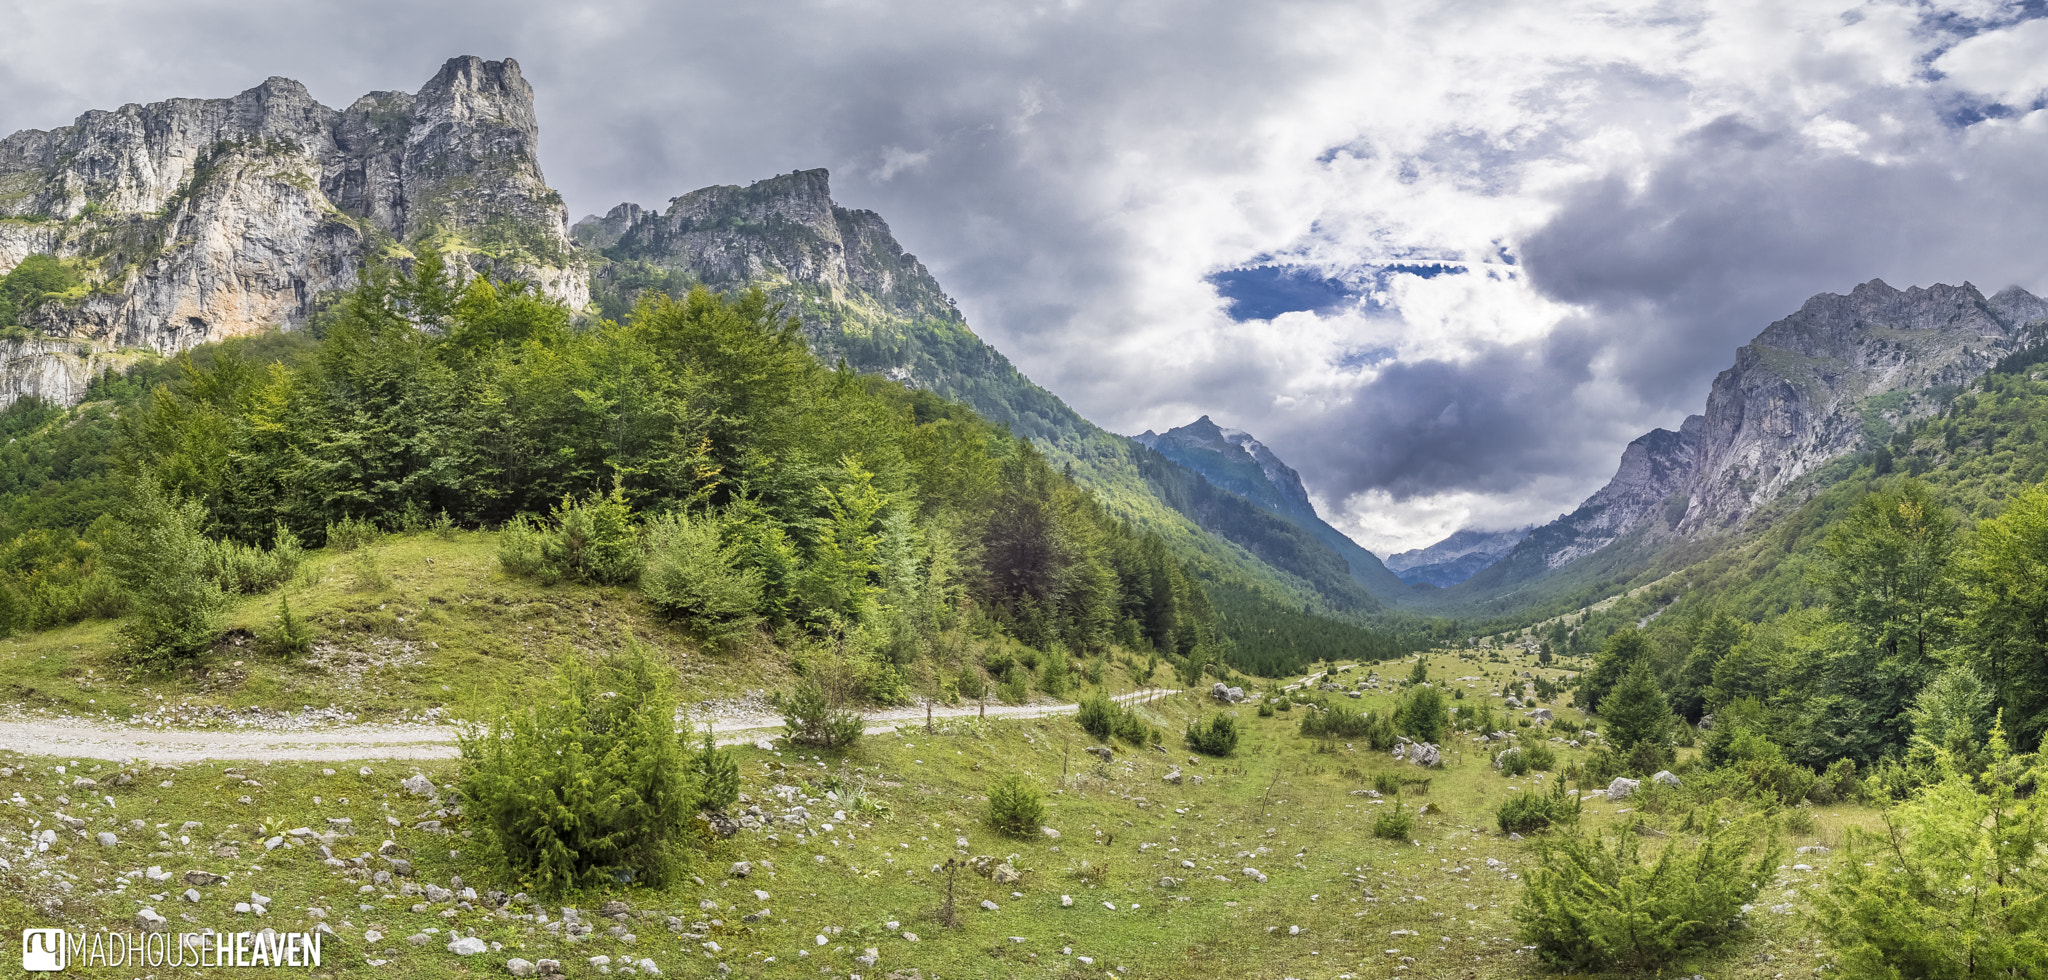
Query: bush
x=1015, y=807
x=1218, y=738
x=1016, y=685
x=1542, y=758
x=240, y=569
x=1425, y=715
x=1531, y=811
x=289, y=633
x=1285, y=705
x=1514, y=762
x=1593, y=904
x=718, y=776
x=691, y=576
x=161, y=559
x=1339, y=721
x=1053, y=679
x=1394, y=824
x=351, y=533
x=972, y=686
x=587, y=785
x=1098, y=715
x=589, y=540
x=1265, y=709
x=1387, y=783
x=813, y=717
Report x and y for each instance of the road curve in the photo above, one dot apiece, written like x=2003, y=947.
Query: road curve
x=75, y=739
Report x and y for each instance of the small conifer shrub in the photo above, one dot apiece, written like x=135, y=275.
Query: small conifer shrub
x=1015, y=807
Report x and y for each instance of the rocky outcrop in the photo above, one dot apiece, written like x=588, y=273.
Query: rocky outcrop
x=840, y=271
x=1807, y=390
x=197, y=219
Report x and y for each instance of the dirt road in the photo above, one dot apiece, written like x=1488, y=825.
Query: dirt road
x=70, y=738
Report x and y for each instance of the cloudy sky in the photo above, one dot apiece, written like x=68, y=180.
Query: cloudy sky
x=1446, y=258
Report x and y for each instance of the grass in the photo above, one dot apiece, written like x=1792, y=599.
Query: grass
x=408, y=624
x=1281, y=804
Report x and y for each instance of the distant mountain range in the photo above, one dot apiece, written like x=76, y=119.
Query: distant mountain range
x=1456, y=558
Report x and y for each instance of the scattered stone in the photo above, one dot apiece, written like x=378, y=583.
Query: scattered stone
x=417, y=939
x=1666, y=777
x=147, y=920
x=191, y=895
x=1066, y=901
x=468, y=946
x=1255, y=875
x=520, y=968
x=990, y=906
x=741, y=869
x=1173, y=776
x=1004, y=874
x=107, y=839
x=1623, y=787
x=417, y=785
x=1049, y=832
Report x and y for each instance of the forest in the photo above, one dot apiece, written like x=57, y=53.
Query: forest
x=760, y=491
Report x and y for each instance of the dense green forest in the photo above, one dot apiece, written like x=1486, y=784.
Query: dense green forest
x=698, y=438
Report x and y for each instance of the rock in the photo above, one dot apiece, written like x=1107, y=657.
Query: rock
x=1623, y=787
x=436, y=893
x=1706, y=723
x=1172, y=776
x=1255, y=875
x=418, y=938
x=1004, y=874
x=548, y=968
x=764, y=745
x=190, y=895
x=1513, y=702
x=1541, y=715
x=468, y=946
x=1665, y=777
x=202, y=878
x=1812, y=849
x=1049, y=832
x=147, y=920
x=242, y=191
x=1425, y=755
x=520, y=968
x=107, y=839
x=1066, y=901
x=990, y=906
x=417, y=785
x=741, y=869
x=1169, y=882
x=1101, y=752
x=647, y=966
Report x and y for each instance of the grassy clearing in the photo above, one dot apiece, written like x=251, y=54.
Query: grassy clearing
x=403, y=626
x=1337, y=902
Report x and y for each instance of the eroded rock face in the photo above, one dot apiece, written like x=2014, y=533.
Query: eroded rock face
x=1795, y=398
x=199, y=219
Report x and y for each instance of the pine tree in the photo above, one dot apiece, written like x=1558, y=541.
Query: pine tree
x=1636, y=712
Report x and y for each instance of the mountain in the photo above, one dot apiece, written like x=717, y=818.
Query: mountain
x=1456, y=558
x=1839, y=376
x=860, y=297
x=1235, y=461
x=193, y=220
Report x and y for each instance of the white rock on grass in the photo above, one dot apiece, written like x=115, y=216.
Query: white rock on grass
x=1066, y=901
x=467, y=946
x=648, y=967
x=417, y=785
x=520, y=968
x=107, y=839
x=1255, y=875
x=990, y=906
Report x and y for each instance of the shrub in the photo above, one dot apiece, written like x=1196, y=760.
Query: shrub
x=1531, y=811
x=814, y=717
x=1542, y=758
x=1265, y=709
x=1217, y=738
x=289, y=633
x=1387, y=783
x=1591, y=903
x=161, y=560
x=972, y=686
x=1053, y=679
x=1016, y=685
x=1799, y=821
x=1339, y=721
x=1425, y=715
x=691, y=576
x=588, y=784
x=1394, y=824
x=718, y=776
x=593, y=540
x=1285, y=705
x=1015, y=807
x=351, y=533
x=240, y=569
x=1514, y=762
x=519, y=547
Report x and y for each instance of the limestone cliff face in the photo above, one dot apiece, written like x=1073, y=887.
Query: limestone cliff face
x=1810, y=388
x=839, y=270
x=198, y=219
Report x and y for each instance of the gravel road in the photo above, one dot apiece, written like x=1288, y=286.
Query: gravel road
x=77, y=739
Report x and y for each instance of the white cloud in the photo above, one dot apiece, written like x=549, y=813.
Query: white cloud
x=2008, y=66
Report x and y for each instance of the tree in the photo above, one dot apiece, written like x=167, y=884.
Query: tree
x=160, y=558
x=1955, y=886
x=1622, y=652
x=1424, y=717
x=2005, y=588
x=1636, y=712
x=1420, y=673
x=1715, y=638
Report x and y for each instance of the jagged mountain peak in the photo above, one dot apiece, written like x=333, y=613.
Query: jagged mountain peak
x=1459, y=556
x=1811, y=387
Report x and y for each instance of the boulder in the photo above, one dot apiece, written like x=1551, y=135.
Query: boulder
x=1541, y=715
x=1425, y=755
x=1100, y=751
x=520, y=968
x=147, y=920
x=468, y=946
x=1172, y=776
x=417, y=785
x=1666, y=777
x=1623, y=787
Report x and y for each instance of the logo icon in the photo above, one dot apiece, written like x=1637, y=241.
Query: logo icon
x=44, y=951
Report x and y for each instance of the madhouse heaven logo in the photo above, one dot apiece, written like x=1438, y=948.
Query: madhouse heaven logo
x=50, y=950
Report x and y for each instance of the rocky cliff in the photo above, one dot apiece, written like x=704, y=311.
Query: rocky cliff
x=197, y=219
x=1834, y=378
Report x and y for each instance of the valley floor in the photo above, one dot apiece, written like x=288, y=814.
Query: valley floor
x=1261, y=865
